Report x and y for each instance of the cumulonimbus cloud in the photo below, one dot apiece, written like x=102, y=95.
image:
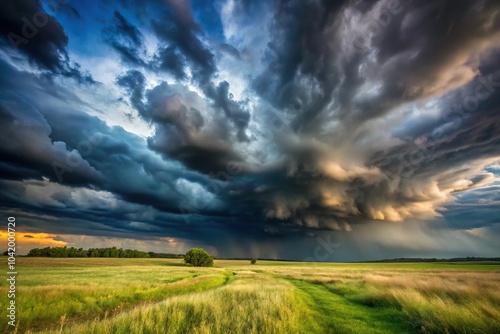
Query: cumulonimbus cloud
x=318, y=115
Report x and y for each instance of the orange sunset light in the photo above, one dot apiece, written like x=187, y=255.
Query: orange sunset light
x=42, y=239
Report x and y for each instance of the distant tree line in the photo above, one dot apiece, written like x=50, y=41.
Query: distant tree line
x=166, y=255
x=91, y=252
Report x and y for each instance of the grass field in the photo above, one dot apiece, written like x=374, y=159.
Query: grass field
x=98, y=295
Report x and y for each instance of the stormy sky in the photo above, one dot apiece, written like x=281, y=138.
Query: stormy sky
x=301, y=129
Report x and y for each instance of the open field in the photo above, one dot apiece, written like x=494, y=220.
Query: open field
x=100, y=295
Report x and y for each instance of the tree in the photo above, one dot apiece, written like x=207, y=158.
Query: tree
x=253, y=260
x=198, y=257
x=113, y=252
x=93, y=252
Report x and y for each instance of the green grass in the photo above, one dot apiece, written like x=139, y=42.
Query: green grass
x=166, y=296
x=79, y=291
x=336, y=314
x=431, y=300
x=250, y=304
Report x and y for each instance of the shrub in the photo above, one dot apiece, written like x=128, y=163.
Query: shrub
x=198, y=257
x=253, y=261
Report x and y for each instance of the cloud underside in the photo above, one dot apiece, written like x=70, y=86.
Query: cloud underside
x=312, y=116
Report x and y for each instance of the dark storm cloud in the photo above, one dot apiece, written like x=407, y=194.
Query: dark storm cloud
x=426, y=50
x=27, y=27
x=133, y=81
x=464, y=132
x=331, y=177
x=233, y=110
x=27, y=149
x=134, y=188
x=183, y=134
x=179, y=45
x=121, y=157
x=84, y=150
x=324, y=116
x=171, y=61
x=421, y=50
x=299, y=48
x=317, y=79
x=126, y=39
x=176, y=27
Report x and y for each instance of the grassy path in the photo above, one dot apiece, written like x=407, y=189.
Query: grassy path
x=245, y=303
x=249, y=302
x=176, y=287
x=335, y=314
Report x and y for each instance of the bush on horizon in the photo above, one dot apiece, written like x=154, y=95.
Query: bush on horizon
x=198, y=257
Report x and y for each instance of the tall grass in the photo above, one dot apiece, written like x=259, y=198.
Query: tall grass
x=445, y=302
x=433, y=301
x=251, y=304
x=49, y=291
x=165, y=296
